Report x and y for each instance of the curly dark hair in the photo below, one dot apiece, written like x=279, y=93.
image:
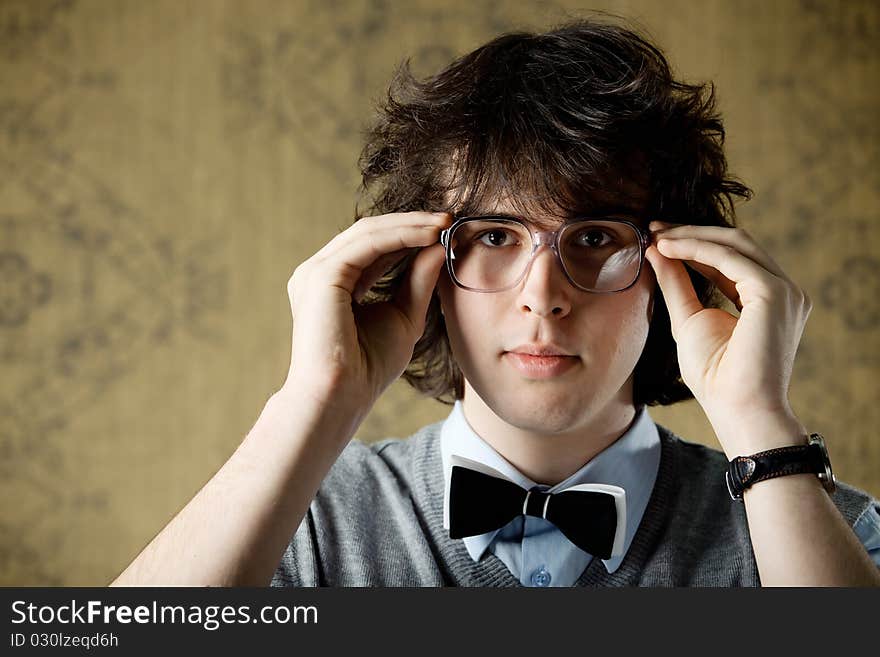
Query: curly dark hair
x=552, y=121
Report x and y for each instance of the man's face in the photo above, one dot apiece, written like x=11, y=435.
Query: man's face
x=603, y=336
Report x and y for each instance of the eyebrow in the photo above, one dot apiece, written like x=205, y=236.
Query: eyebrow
x=616, y=208
x=595, y=212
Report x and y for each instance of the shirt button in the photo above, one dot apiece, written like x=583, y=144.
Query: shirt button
x=541, y=577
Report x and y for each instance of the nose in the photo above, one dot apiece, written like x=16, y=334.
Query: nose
x=545, y=289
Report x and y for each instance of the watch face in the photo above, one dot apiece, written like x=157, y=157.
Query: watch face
x=827, y=477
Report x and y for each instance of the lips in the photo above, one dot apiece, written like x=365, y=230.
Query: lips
x=547, y=364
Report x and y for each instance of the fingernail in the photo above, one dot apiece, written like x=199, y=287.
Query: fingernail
x=662, y=225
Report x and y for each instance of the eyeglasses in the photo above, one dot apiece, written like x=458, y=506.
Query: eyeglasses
x=493, y=253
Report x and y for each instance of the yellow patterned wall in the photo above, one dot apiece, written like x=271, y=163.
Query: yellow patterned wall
x=166, y=164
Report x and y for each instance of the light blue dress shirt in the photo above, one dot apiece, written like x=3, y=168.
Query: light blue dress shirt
x=532, y=548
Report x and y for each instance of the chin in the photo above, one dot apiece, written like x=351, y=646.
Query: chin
x=542, y=410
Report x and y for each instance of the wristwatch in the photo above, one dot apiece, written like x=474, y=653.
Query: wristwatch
x=743, y=471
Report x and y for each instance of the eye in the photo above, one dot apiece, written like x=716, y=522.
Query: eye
x=593, y=237
x=495, y=237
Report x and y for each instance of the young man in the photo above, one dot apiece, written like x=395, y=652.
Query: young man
x=548, y=302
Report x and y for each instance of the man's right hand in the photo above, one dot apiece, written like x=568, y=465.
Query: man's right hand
x=234, y=531
x=346, y=353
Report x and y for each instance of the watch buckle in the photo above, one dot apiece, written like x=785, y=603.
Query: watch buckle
x=733, y=495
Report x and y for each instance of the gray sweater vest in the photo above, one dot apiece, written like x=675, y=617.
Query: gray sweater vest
x=377, y=520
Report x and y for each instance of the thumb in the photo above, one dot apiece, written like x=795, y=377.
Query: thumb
x=678, y=291
x=415, y=291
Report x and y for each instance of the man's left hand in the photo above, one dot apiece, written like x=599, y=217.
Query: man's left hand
x=738, y=368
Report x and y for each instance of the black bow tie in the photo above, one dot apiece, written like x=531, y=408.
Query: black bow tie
x=480, y=503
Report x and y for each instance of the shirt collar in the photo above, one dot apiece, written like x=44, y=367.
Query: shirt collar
x=631, y=462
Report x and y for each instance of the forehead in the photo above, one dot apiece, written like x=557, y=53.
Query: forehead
x=596, y=207
x=544, y=197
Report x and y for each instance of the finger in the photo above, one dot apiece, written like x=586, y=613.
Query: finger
x=393, y=221
x=418, y=286
x=346, y=266
x=377, y=270
x=727, y=286
x=678, y=290
x=736, y=238
x=748, y=276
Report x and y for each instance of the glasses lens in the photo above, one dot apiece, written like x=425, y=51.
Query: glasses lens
x=602, y=256
x=489, y=254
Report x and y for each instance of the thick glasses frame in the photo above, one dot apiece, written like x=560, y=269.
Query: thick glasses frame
x=550, y=238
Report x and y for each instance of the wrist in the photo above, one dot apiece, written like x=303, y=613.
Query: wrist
x=299, y=415
x=747, y=434
x=330, y=397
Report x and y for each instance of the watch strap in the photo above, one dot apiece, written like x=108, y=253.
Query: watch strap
x=743, y=471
